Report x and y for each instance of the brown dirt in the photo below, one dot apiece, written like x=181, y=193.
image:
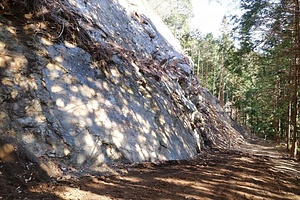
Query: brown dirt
x=250, y=172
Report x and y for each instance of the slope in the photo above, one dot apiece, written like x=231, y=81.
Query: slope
x=90, y=85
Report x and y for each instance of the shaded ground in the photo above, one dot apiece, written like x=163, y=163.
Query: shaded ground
x=251, y=172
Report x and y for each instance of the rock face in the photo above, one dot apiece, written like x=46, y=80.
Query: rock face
x=94, y=82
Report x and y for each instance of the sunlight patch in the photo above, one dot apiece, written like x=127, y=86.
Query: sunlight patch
x=131, y=179
x=89, y=140
x=118, y=138
x=69, y=45
x=12, y=30
x=59, y=59
x=75, y=193
x=46, y=41
x=2, y=46
x=60, y=103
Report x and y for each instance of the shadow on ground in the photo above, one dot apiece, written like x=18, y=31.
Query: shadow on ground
x=20, y=171
x=218, y=174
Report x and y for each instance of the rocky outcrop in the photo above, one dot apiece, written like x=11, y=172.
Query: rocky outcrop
x=94, y=82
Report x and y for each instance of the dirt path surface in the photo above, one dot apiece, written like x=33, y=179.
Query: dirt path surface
x=254, y=171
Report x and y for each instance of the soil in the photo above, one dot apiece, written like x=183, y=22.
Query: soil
x=259, y=170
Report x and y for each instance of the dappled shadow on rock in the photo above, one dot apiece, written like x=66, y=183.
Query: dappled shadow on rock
x=91, y=86
x=86, y=99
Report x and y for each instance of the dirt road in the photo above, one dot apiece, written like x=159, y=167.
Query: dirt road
x=254, y=171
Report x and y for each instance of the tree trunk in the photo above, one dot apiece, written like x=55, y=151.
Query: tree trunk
x=202, y=72
x=231, y=106
x=222, y=85
x=214, y=90
x=206, y=75
x=293, y=152
x=288, y=130
x=289, y=97
x=276, y=119
x=198, y=64
x=236, y=114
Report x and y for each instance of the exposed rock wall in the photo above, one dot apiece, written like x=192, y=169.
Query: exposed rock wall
x=97, y=82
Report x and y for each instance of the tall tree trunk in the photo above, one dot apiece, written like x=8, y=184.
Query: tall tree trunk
x=293, y=152
x=231, y=106
x=276, y=119
x=236, y=114
x=202, y=73
x=233, y=99
x=288, y=129
x=289, y=96
x=198, y=63
x=206, y=75
x=214, y=82
x=222, y=84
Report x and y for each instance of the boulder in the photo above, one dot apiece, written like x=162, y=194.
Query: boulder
x=102, y=82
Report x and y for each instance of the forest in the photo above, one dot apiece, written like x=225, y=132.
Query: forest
x=253, y=67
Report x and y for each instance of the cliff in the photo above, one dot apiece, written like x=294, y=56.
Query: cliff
x=90, y=83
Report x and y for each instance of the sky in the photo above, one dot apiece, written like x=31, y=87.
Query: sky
x=208, y=15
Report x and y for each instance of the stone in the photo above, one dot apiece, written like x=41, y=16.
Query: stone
x=103, y=97
x=4, y=120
